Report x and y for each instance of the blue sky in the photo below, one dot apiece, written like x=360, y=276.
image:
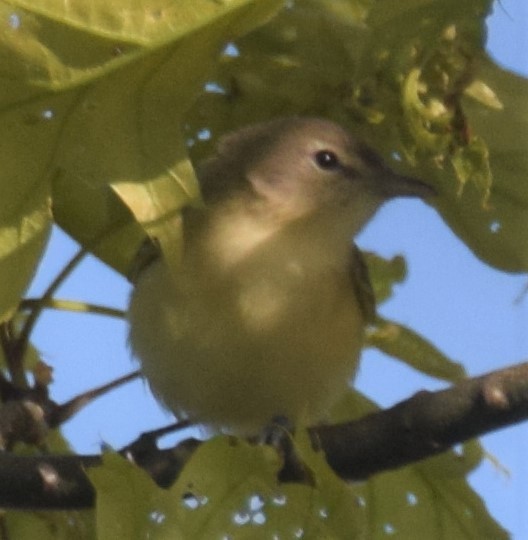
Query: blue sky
x=463, y=306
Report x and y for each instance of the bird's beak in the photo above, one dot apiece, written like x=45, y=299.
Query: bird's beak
x=397, y=185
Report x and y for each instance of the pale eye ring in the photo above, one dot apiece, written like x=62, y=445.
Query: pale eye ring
x=327, y=160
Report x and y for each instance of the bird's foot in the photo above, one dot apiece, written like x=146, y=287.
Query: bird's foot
x=279, y=434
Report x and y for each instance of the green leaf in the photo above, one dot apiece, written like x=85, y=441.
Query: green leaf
x=336, y=506
x=406, y=345
x=156, y=204
x=62, y=45
x=130, y=506
x=496, y=232
x=432, y=496
x=439, y=505
x=25, y=525
x=229, y=488
x=385, y=274
x=93, y=96
x=222, y=486
x=281, y=70
x=25, y=216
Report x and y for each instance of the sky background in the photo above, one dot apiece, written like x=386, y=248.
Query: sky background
x=466, y=308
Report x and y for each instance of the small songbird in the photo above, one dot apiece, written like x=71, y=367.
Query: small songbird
x=266, y=315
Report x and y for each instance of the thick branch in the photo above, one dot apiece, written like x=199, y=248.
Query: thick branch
x=46, y=482
x=426, y=424
x=419, y=427
x=59, y=482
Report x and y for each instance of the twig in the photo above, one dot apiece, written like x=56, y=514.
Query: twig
x=23, y=338
x=61, y=413
x=71, y=305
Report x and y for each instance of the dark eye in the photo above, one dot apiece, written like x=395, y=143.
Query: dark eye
x=327, y=160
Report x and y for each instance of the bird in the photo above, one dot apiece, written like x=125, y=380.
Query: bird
x=266, y=313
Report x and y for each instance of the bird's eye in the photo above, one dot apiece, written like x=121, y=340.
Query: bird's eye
x=327, y=160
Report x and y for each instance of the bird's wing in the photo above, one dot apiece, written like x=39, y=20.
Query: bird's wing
x=148, y=252
x=361, y=282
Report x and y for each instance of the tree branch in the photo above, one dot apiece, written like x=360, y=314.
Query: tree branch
x=426, y=424
x=422, y=426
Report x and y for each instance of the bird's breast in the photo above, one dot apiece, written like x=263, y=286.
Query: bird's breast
x=244, y=333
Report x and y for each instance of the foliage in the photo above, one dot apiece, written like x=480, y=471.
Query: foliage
x=94, y=97
x=230, y=487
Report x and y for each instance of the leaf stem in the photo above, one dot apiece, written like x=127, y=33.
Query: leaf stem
x=29, y=325
x=71, y=305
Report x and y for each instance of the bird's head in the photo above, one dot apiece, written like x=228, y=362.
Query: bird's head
x=306, y=166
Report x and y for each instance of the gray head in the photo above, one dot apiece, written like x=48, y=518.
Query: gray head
x=304, y=166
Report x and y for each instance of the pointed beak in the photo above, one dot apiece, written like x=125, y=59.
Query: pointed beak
x=392, y=185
